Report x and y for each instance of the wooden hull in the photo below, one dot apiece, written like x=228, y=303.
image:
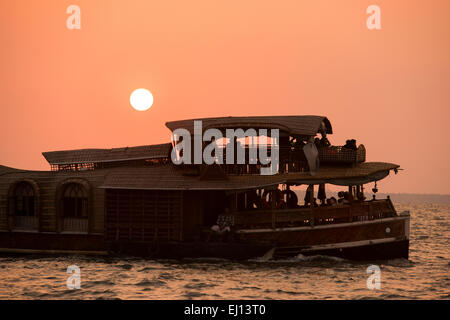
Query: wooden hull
x=182, y=250
x=51, y=242
x=365, y=240
x=330, y=233
x=370, y=250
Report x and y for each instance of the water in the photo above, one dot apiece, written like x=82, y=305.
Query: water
x=423, y=276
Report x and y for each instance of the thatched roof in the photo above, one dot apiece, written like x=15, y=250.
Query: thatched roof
x=4, y=169
x=108, y=155
x=169, y=177
x=295, y=125
x=358, y=174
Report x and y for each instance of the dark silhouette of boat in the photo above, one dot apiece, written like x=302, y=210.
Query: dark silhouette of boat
x=135, y=201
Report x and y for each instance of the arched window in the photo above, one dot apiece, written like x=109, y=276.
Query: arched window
x=22, y=203
x=75, y=201
x=23, y=200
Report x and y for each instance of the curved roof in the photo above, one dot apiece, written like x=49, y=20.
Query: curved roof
x=108, y=155
x=295, y=125
x=5, y=169
x=169, y=177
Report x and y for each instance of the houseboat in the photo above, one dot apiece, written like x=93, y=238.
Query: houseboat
x=137, y=201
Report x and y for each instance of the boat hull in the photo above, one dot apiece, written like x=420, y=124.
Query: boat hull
x=365, y=240
x=363, y=250
x=382, y=249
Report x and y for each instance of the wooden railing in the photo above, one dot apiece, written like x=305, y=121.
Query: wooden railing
x=25, y=223
x=290, y=160
x=75, y=224
x=341, y=213
x=340, y=154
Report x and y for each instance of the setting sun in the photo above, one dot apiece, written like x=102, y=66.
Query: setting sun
x=141, y=99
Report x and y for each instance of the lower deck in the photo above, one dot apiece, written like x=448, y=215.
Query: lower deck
x=73, y=215
x=155, y=224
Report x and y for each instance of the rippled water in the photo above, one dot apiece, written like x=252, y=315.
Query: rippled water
x=423, y=276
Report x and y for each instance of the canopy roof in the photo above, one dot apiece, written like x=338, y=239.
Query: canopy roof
x=169, y=177
x=108, y=155
x=295, y=125
x=4, y=169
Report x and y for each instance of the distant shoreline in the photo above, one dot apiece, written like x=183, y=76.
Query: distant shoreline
x=398, y=197
x=417, y=198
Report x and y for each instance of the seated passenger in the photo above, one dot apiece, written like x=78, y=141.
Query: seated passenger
x=350, y=144
x=253, y=200
x=324, y=142
x=344, y=197
x=360, y=196
x=332, y=201
x=220, y=230
x=223, y=225
x=341, y=196
x=290, y=198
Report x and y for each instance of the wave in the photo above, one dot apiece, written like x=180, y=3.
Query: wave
x=151, y=283
x=299, y=258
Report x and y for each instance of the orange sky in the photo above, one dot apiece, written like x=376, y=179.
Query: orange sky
x=68, y=89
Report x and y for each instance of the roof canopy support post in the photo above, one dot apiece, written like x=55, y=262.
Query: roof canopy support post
x=311, y=203
x=272, y=208
x=233, y=204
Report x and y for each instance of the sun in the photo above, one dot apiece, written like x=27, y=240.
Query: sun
x=141, y=99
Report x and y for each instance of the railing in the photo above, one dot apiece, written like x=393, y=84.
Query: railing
x=340, y=154
x=75, y=224
x=304, y=216
x=290, y=160
x=25, y=223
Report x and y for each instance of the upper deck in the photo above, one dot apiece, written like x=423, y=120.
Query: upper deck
x=287, y=149
x=303, y=126
x=90, y=159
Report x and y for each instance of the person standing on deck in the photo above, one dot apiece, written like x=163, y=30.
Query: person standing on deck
x=309, y=195
x=321, y=195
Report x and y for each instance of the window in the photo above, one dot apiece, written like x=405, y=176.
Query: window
x=23, y=206
x=75, y=201
x=23, y=199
